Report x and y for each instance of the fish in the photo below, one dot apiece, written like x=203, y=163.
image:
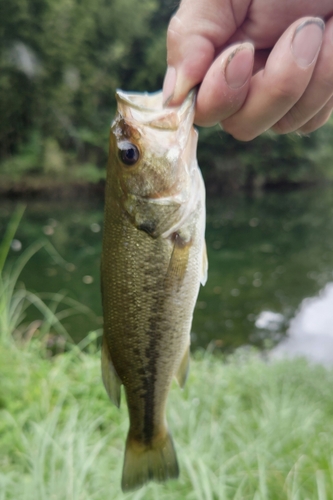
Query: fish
x=153, y=260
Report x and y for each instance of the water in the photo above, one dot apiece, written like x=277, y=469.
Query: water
x=266, y=255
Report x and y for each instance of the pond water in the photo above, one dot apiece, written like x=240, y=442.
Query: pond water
x=267, y=254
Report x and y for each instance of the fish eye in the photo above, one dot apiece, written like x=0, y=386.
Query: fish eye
x=128, y=153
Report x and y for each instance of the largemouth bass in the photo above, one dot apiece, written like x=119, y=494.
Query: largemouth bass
x=153, y=260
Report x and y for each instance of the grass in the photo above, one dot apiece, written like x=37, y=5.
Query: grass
x=243, y=429
x=15, y=299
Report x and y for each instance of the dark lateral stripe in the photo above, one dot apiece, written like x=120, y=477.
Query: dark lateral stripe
x=150, y=379
x=153, y=335
x=171, y=280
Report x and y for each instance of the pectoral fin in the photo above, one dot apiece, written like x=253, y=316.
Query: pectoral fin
x=110, y=378
x=204, y=271
x=183, y=369
x=179, y=260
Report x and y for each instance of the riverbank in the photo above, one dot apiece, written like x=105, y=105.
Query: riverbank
x=72, y=187
x=243, y=429
x=65, y=187
x=228, y=166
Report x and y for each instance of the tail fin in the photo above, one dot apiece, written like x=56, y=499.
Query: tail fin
x=154, y=462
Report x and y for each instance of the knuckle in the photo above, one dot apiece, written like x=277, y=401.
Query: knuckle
x=290, y=122
x=316, y=122
x=175, y=29
x=326, y=83
x=279, y=128
x=175, y=40
x=285, y=90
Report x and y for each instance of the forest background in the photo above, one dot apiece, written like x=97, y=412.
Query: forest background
x=60, y=64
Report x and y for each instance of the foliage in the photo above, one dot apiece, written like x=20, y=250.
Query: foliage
x=60, y=63
x=261, y=431
x=266, y=161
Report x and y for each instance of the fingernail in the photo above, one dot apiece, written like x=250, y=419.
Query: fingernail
x=239, y=65
x=307, y=41
x=169, y=85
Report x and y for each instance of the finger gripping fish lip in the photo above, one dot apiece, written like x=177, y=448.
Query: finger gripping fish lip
x=147, y=109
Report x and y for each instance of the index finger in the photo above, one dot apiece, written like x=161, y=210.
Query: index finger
x=196, y=32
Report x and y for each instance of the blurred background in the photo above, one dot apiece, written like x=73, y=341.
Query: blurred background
x=270, y=203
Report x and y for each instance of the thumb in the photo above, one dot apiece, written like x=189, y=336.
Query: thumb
x=196, y=33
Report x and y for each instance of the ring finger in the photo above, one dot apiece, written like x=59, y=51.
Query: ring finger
x=319, y=119
x=318, y=92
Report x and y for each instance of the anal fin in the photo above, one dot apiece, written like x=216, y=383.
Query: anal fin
x=110, y=378
x=183, y=369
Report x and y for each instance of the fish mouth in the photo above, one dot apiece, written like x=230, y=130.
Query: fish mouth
x=143, y=101
x=147, y=109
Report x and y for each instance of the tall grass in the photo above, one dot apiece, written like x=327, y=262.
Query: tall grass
x=15, y=300
x=243, y=429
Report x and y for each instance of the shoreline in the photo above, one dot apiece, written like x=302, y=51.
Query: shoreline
x=55, y=189
x=52, y=189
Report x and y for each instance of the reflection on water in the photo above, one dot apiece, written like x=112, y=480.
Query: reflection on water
x=310, y=333
x=268, y=320
x=75, y=231
x=266, y=255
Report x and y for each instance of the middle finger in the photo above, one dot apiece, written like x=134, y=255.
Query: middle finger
x=275, y=89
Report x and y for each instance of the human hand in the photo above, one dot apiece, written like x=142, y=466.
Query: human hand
x=260, y=65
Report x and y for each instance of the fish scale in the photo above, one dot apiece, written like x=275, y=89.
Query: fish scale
x=153, y=259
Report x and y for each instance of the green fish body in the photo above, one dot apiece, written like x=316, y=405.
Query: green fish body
x=153, y=260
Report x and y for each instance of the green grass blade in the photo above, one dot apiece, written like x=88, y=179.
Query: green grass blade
x=320, y=478
x=9, y=234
